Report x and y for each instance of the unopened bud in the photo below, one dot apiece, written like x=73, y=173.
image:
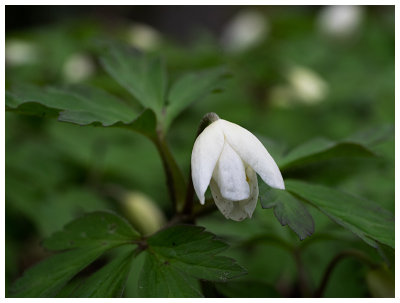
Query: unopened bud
x=144, y=214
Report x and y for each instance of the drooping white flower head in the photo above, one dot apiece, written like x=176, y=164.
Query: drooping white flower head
x=228, y=158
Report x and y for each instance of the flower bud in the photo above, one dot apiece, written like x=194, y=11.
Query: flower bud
x=78, y=67
x=143, y=213
x=20, y=52
x=246, y=30
x=340, y=22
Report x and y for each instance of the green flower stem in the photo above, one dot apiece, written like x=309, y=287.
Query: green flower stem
x=362, y=257
x=181, y=197
x=175, y=181
x=302, y=275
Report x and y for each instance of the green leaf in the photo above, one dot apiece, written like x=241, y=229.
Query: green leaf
x=218, y=269
x=132, y=289
x=88, y=238
x=145, y=124
x=81, y=105
x=161, y=280
x=47, y=277
x=192, y=87
x=142, y=75
x=182, y=241
x=191, y=249
x=78, y=105
x=373, y=135
x=186, y=250
x=67, y=290
x=365, y=218
x=288, y=210
x=97, y=229
x=323, y=149
x=247, y=289
x=109, y=281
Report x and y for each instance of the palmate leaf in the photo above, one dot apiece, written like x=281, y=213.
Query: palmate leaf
x=142, y=75
x=179, y=241
x=288, y=210
x=365, y=218
x=145, y=78
x=190, y=88
x=107, y=282
x=79, y=105
x=323, y=149
x=175, y=259
x=247, y=289
x=373, y=135
x=87, y=238
x=161, y=280
x=185, y=252
x=95, y=229
x=47, y=277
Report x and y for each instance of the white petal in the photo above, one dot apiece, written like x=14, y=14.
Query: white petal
x=205, y=154
x=237, y=210
x=253, y=153
x=251, y=204
x=230, y=175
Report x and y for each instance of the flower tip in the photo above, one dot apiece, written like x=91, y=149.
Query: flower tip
x=280, y=185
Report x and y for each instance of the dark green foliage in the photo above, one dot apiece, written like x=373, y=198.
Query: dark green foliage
x=98, y=229
x=85, y=240
x=365, y=218
x=74, y=172
x=107, y=282
x=185, y=252
x=322, y=149
x=49, y=276
x=176, y=258
x=288, y=210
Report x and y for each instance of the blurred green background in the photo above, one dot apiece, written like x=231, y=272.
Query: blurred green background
x=296, y=73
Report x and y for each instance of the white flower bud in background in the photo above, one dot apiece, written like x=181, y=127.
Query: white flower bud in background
x=304, y=86
x=143, y=37
x=144, y=214
x=308, y=86
x=340, y=22
x=228, y=158
x=20, y=52
x=78, y=67
x=246, y=30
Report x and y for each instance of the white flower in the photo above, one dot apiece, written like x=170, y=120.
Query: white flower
x=227, y=157
x=340, y=21
x=307, y=85
x=20, y=52
x=246, y=30
x=78, y=67
x=143, y=37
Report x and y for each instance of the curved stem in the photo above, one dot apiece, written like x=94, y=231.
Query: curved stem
x=175, y=180
x=342, y=255
x=304, y=282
